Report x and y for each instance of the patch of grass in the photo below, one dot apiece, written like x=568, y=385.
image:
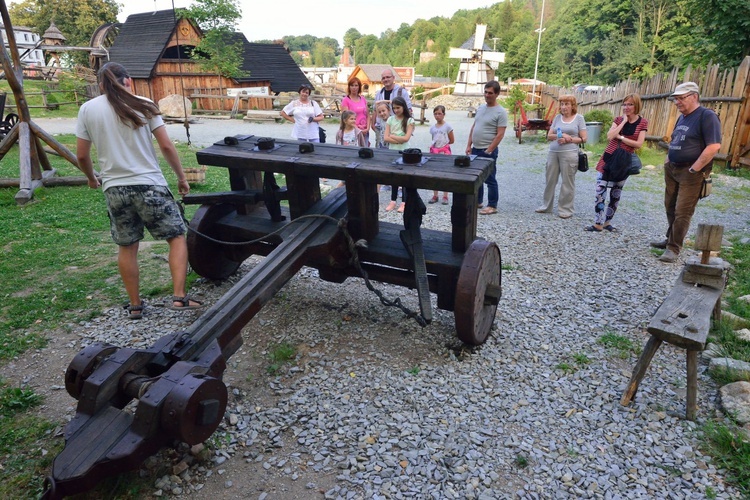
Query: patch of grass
x=566, y=367
x=25, y=450
x=730, y=450
x=15, y=400
x=521, y=461
x=280, y=355
x=622, y=346
x=413, y=370
x=729, y=345
x=739, y=256
x=581, y=359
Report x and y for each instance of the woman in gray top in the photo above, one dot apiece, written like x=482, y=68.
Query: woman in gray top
x=568, y=130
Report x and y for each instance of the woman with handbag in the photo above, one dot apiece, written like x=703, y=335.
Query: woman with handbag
x=568, y=130
x=305, y=114
x=627, y=132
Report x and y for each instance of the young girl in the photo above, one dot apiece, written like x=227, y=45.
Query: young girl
x=383, y=111
x=442, y=138
x=348, y=134
x=398, y=131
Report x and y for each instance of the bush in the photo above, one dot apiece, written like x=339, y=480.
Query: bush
x=600, y=115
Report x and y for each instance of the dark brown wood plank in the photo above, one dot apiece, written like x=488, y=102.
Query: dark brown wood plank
x=683, y=319
x=335, y=162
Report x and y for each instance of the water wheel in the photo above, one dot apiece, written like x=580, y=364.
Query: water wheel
x=477, y=292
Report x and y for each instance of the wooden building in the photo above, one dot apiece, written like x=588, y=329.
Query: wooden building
x=369, y=75
x=154, y=47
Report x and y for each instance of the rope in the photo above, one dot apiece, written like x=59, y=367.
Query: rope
x=353, y=259
x=185, y=123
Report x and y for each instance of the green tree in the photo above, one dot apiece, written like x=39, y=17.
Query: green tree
x=219, y=50
x=724, y=29
x=76, y=19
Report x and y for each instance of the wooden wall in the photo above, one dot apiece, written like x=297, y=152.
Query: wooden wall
x=726, y=91
x=183, y=77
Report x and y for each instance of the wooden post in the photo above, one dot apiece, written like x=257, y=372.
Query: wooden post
x=692, y=384
x=639, y=371
x=708, y=239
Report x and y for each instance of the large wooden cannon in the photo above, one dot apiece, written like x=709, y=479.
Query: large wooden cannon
x=176, y=384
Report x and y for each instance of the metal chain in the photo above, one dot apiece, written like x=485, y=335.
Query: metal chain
x=353, y=260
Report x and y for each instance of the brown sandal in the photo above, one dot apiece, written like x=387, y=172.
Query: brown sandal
x=135, y=312
x=185, y=301
x=488, y=211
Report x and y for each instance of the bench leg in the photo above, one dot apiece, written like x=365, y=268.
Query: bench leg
x=639, y=371
x=692, y=385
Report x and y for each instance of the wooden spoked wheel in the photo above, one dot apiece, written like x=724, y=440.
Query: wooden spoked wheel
x=206, y=257
x=477, y=292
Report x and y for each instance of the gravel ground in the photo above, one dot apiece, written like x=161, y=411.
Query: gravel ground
x=376, y=407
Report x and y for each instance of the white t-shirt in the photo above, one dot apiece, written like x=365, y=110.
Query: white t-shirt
x=126, y=155
x=440, y=134
x=303, y=129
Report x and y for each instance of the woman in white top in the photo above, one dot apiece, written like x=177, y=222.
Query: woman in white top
x=305, y=114
x=568, y=130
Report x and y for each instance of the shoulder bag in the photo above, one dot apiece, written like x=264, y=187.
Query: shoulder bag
x=583, y=158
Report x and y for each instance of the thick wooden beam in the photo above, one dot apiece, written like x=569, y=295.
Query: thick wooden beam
x=59, y=148
x=639, y=371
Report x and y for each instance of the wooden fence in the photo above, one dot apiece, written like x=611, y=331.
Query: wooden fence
x=727, y=92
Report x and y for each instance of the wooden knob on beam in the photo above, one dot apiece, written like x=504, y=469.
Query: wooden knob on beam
x=708, y=239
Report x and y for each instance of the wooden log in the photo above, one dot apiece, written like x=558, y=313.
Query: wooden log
x=684, y=318
x=692, y=384
x=24, y=145
x=8, y=142
x=639, y=371
x=52, y=142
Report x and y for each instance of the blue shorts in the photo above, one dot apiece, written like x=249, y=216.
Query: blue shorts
x=131, y=208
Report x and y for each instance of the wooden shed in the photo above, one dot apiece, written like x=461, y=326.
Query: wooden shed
x=154, y=47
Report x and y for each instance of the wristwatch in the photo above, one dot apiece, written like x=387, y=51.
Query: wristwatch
x=619, y=137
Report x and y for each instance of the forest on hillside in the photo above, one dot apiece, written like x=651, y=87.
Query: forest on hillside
x=591, y=41
x=583, y=41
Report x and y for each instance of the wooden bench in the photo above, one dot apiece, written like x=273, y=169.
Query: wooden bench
x=684, y=318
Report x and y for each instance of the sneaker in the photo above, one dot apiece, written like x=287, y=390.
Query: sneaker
x=668, y=256
x=658, y=244
x=542, y=210
x=384, y=188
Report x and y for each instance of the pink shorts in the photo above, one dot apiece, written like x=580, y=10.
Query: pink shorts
x=445, y=150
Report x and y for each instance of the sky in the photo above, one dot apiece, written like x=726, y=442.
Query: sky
x=263, y=20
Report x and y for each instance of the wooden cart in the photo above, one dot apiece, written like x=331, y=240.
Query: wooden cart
x=177, y=382
x=462, y=270
x=523, y=122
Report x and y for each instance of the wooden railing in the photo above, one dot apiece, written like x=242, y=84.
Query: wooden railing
x=726, y=91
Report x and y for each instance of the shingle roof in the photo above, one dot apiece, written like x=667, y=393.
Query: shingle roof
x=141, y=41
x=374, y=71
x=143, y=37
x=272, y=62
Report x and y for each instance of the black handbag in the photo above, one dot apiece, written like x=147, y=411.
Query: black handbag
x=583, y=158
x=635, y=165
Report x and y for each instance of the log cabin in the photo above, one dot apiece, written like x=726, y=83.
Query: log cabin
x=155, y=49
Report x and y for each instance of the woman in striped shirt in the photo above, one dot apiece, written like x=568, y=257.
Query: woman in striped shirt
x=628, y=132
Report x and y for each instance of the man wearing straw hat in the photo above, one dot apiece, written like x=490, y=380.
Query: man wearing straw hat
x=695, y=140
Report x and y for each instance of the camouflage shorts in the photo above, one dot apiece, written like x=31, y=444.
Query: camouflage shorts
x=131, y=208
